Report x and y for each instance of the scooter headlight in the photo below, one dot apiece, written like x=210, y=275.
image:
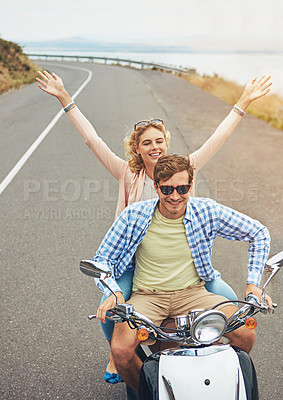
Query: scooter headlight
x=208, y=326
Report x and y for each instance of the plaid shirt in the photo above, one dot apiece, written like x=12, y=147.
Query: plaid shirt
x=204, y=220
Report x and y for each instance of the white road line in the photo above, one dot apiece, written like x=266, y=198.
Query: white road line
x=37, y=142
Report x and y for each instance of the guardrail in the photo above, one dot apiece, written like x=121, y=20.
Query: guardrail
x=130, y=63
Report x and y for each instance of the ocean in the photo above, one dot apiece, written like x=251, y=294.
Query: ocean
x=236, y=67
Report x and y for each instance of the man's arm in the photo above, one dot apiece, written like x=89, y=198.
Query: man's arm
x=234, y=225
x=110, y=251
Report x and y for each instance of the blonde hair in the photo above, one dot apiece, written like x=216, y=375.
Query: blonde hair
x=131, y=143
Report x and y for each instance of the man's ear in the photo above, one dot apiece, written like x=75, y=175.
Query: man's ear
x=155, y=187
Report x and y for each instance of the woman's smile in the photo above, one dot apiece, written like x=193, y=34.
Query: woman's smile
x=152, y=145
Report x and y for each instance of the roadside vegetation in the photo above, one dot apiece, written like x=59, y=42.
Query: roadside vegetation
x=268, y=108
x=16, y=69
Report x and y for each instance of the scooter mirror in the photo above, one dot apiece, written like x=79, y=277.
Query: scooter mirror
x=276, y=260
x=91, y=268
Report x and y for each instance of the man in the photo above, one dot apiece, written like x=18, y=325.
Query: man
x=169, y=241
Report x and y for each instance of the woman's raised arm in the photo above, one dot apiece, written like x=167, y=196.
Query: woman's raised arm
x=53, y=85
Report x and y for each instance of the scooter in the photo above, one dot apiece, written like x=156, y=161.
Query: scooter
x=203, y=365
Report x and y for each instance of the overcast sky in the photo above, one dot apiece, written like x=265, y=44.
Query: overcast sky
x=201, y=23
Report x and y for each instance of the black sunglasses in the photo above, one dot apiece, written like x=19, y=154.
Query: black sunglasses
x=181, y=189
x=154, y=121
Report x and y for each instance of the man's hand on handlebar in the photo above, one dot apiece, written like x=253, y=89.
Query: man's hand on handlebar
x=257, y=292
x=109, y=303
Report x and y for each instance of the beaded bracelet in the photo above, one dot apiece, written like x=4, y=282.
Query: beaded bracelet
x=238, y=110
x=69, y=106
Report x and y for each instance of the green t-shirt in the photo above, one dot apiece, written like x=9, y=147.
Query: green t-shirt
x=163, y=258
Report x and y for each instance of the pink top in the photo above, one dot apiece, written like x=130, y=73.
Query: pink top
x=131, y=184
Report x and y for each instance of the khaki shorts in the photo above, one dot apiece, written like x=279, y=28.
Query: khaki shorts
x=159, y=305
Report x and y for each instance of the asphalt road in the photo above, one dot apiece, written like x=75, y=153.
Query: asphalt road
x=61, y=202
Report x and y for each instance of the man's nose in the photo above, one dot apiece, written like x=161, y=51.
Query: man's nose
x=175, y=195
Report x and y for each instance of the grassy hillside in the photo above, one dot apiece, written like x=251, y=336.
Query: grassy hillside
x=269, y=108
x=16, y=68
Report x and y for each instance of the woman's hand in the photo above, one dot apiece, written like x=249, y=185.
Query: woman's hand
x=258, y=87
x=53, y=84
x=255, y=89
x=108, y=303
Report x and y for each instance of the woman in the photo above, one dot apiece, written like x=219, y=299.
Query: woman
x=145, y=145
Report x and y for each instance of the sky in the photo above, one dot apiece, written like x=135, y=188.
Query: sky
x=225, y=24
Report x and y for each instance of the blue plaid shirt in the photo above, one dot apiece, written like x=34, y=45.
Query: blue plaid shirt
x=204, y=220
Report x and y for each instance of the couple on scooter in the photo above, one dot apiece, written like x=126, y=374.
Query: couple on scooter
x=147, y=143
x=168, y=242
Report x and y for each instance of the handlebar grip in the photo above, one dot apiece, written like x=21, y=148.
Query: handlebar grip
x=252, y=298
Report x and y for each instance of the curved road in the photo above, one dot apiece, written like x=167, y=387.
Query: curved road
x=59, y=205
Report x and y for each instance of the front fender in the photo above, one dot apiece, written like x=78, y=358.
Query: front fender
x=149, y=377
